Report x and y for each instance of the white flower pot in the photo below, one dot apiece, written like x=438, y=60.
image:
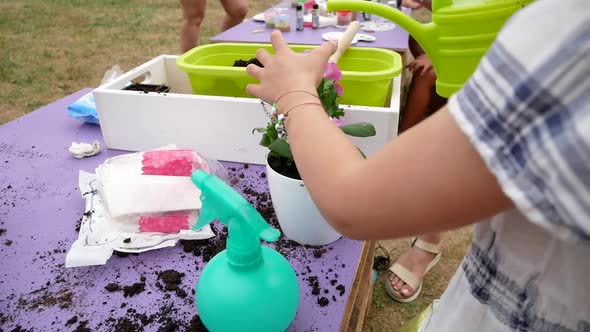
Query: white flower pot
x=300, y=219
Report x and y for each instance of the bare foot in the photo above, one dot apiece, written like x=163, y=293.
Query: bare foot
x=414, y=260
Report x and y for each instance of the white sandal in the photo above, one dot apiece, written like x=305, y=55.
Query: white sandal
x=410, y=278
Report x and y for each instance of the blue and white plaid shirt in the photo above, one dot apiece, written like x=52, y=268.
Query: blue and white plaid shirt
x=527, y=112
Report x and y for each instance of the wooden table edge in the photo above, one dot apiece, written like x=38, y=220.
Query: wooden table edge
x=361, y=292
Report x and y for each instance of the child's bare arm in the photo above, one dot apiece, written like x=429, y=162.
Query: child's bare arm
x=428, y=179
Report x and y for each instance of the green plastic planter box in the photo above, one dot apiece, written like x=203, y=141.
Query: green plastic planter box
x=366, y=72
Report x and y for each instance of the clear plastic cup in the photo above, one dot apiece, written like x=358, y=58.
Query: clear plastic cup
x=283, y=22
x=269, y=19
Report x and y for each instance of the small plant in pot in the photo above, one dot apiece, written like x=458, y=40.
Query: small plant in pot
x=297, y=214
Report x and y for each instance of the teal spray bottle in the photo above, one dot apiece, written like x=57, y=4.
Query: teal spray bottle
x=247, y=286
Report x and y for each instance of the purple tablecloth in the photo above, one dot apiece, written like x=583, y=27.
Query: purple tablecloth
x=396, y=39
x=40, y=206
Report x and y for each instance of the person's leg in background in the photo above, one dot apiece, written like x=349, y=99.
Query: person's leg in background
x=193, y=13
x=421, y=96
x=414, y=264
x=235, y=12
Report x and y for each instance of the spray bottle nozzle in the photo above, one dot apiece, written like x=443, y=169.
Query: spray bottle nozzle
x=246, y=226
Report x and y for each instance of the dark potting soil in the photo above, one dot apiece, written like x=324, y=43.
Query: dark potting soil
x=78, y=224
x=196, y=325
x=134, y=289
x=2, y=231
x=136, y=321
x=145, y=88
x=72, y=321
x=171, y=277
x=341, y=289
x=128, y=291
x=112, y=287
x=284, y=166
x=82, y=327
x=322, y=301
x=206, y=248
x=126, y=325
x=124, y=254
x=245, y=63
x=313, y=282
x=172, y=280
x=62, y=299
x=319, y=252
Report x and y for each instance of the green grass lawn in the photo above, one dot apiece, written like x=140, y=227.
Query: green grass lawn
x=49, y=49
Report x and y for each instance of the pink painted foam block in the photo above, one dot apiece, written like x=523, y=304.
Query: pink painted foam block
x=171, y=162
x=164, y=224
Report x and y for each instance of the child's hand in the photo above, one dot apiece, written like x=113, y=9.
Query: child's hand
x=287, y=71
x=421, y=64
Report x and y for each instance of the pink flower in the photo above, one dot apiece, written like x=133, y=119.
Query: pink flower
x=338, y=88
x=338, y=122
x=333, y=72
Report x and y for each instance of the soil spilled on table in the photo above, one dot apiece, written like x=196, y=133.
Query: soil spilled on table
x=172, y=280
x=43, y=298
x=319, y=281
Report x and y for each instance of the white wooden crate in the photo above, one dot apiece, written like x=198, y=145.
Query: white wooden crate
x=217, y=127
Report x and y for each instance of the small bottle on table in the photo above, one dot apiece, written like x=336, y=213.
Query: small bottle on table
x=299, y=18
x=366, y=16
x=315, y=16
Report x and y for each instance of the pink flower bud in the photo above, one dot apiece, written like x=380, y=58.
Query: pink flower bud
x=332, y=72
x=338, y=88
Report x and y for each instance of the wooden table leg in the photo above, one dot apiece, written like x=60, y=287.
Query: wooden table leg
x=362, y=291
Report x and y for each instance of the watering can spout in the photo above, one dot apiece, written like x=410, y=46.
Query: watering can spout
x=423, y=33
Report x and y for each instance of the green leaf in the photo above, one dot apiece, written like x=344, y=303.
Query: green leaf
x=265, y=140
x=361, y=129
x=259, y=130
x=339, y=114
x=272, y=132
x=329, y=98
x=335, y=112
x=327, y=84
x=282, y=148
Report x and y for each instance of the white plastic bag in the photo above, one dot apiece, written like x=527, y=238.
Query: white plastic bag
x=138, y=202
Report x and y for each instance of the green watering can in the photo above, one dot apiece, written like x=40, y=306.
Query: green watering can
x=460, y=33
